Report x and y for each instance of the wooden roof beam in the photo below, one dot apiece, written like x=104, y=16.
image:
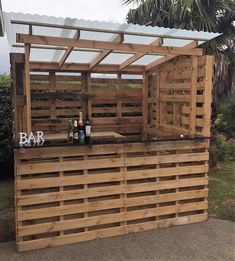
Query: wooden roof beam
x=45, y=66
x=152, y=66
x=58, y=41
x=68, y=51
x=137, y=56
x=118, y=39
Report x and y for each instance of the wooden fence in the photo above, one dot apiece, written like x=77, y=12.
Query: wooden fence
x=111, y=104
x=180, y=96
x=98, y=191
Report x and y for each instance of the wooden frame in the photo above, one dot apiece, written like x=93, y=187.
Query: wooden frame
x=67, y=194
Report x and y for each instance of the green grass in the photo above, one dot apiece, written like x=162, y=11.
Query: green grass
x=222, y=191
x=6, y=194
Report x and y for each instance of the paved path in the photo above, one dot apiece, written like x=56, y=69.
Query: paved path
x=211, y=240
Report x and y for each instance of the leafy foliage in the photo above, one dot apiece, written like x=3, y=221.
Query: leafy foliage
x=203, y=15
x=225, y=117
x=6, y=148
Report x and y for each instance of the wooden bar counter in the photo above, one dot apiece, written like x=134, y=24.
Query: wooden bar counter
x=68, y=194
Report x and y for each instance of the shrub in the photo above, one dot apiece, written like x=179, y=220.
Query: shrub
x=225, y=148
x=6, y=147
x=225, y=117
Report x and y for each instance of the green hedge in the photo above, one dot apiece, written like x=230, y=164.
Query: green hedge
x=6, y=147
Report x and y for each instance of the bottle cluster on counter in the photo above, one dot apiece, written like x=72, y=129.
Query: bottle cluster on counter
x=79, y=131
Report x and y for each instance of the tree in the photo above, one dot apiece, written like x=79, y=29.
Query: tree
x=202, y=15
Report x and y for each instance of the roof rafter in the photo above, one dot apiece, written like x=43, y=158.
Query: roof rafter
x=152, y=66
x=137, y=56
x=118, y=39
x=68, y=51
x=58, y=41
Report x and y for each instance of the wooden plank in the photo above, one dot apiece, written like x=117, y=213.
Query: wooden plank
x=148, y=160
x=27, y=88
x=110, y=177
x=153, y=66
x=108, y=190
x=104, y=45
x=107, y=219
x=33, y=168
x=193, y=94
x=68, y=51
x=208, y=94
x=79, y=237
x=137, y=56
x=118, y=39
x=108, y=204
x=75, y=67
x=145, y=106
x=52, y=89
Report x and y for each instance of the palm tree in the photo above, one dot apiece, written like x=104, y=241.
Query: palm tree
x=202, y=15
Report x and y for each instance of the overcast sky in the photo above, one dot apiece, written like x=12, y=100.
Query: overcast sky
x=101, y=10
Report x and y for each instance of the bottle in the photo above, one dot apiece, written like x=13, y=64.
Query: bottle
x=75, y=132
x=81, y=130
x=70, y=132
x=87, y=130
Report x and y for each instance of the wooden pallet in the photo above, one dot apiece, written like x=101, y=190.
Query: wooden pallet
x=72, y=194
x=180, y=96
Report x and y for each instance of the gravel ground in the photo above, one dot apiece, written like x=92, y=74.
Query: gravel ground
x=210, y=240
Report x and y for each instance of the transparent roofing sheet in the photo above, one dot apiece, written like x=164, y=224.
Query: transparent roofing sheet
x=86, y=57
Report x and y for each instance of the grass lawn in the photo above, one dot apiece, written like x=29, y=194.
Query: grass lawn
x=6, y=194
x=7, y=212
x=222, y=191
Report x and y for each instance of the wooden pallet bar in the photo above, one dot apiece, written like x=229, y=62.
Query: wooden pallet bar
x=147, y=94
x=100, y=209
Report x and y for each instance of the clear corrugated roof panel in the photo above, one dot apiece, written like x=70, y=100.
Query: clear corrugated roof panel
x=147, y=59
x=81, y=57
x=116, y=58
x=86, y=57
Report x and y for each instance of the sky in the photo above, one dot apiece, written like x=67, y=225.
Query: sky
x=101, y=10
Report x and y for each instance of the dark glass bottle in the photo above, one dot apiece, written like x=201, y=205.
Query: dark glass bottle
x=81, y=130
x=75, y=132
x=70, y=132
x=87, y=130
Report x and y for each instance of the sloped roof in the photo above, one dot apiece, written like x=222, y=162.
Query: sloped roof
x=94, y=31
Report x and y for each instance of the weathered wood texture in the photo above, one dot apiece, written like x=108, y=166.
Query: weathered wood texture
x=112, y=104
x=72, y=194
x=181, y=96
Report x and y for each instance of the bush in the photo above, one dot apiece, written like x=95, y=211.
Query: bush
x=225, y=148
x=6, y=146
x=225, y=118
x=223, y=132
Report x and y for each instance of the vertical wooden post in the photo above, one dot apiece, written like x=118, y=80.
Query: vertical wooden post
x=207, y=94
x=193, y=94
x=84, y=104
x=52, y=88
x=17, y=69
x=145, y=106
x=27, y=89
x=119, y=100
x=61, y=175
x=85, y=186
x=157, y=87
x=88, y=89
